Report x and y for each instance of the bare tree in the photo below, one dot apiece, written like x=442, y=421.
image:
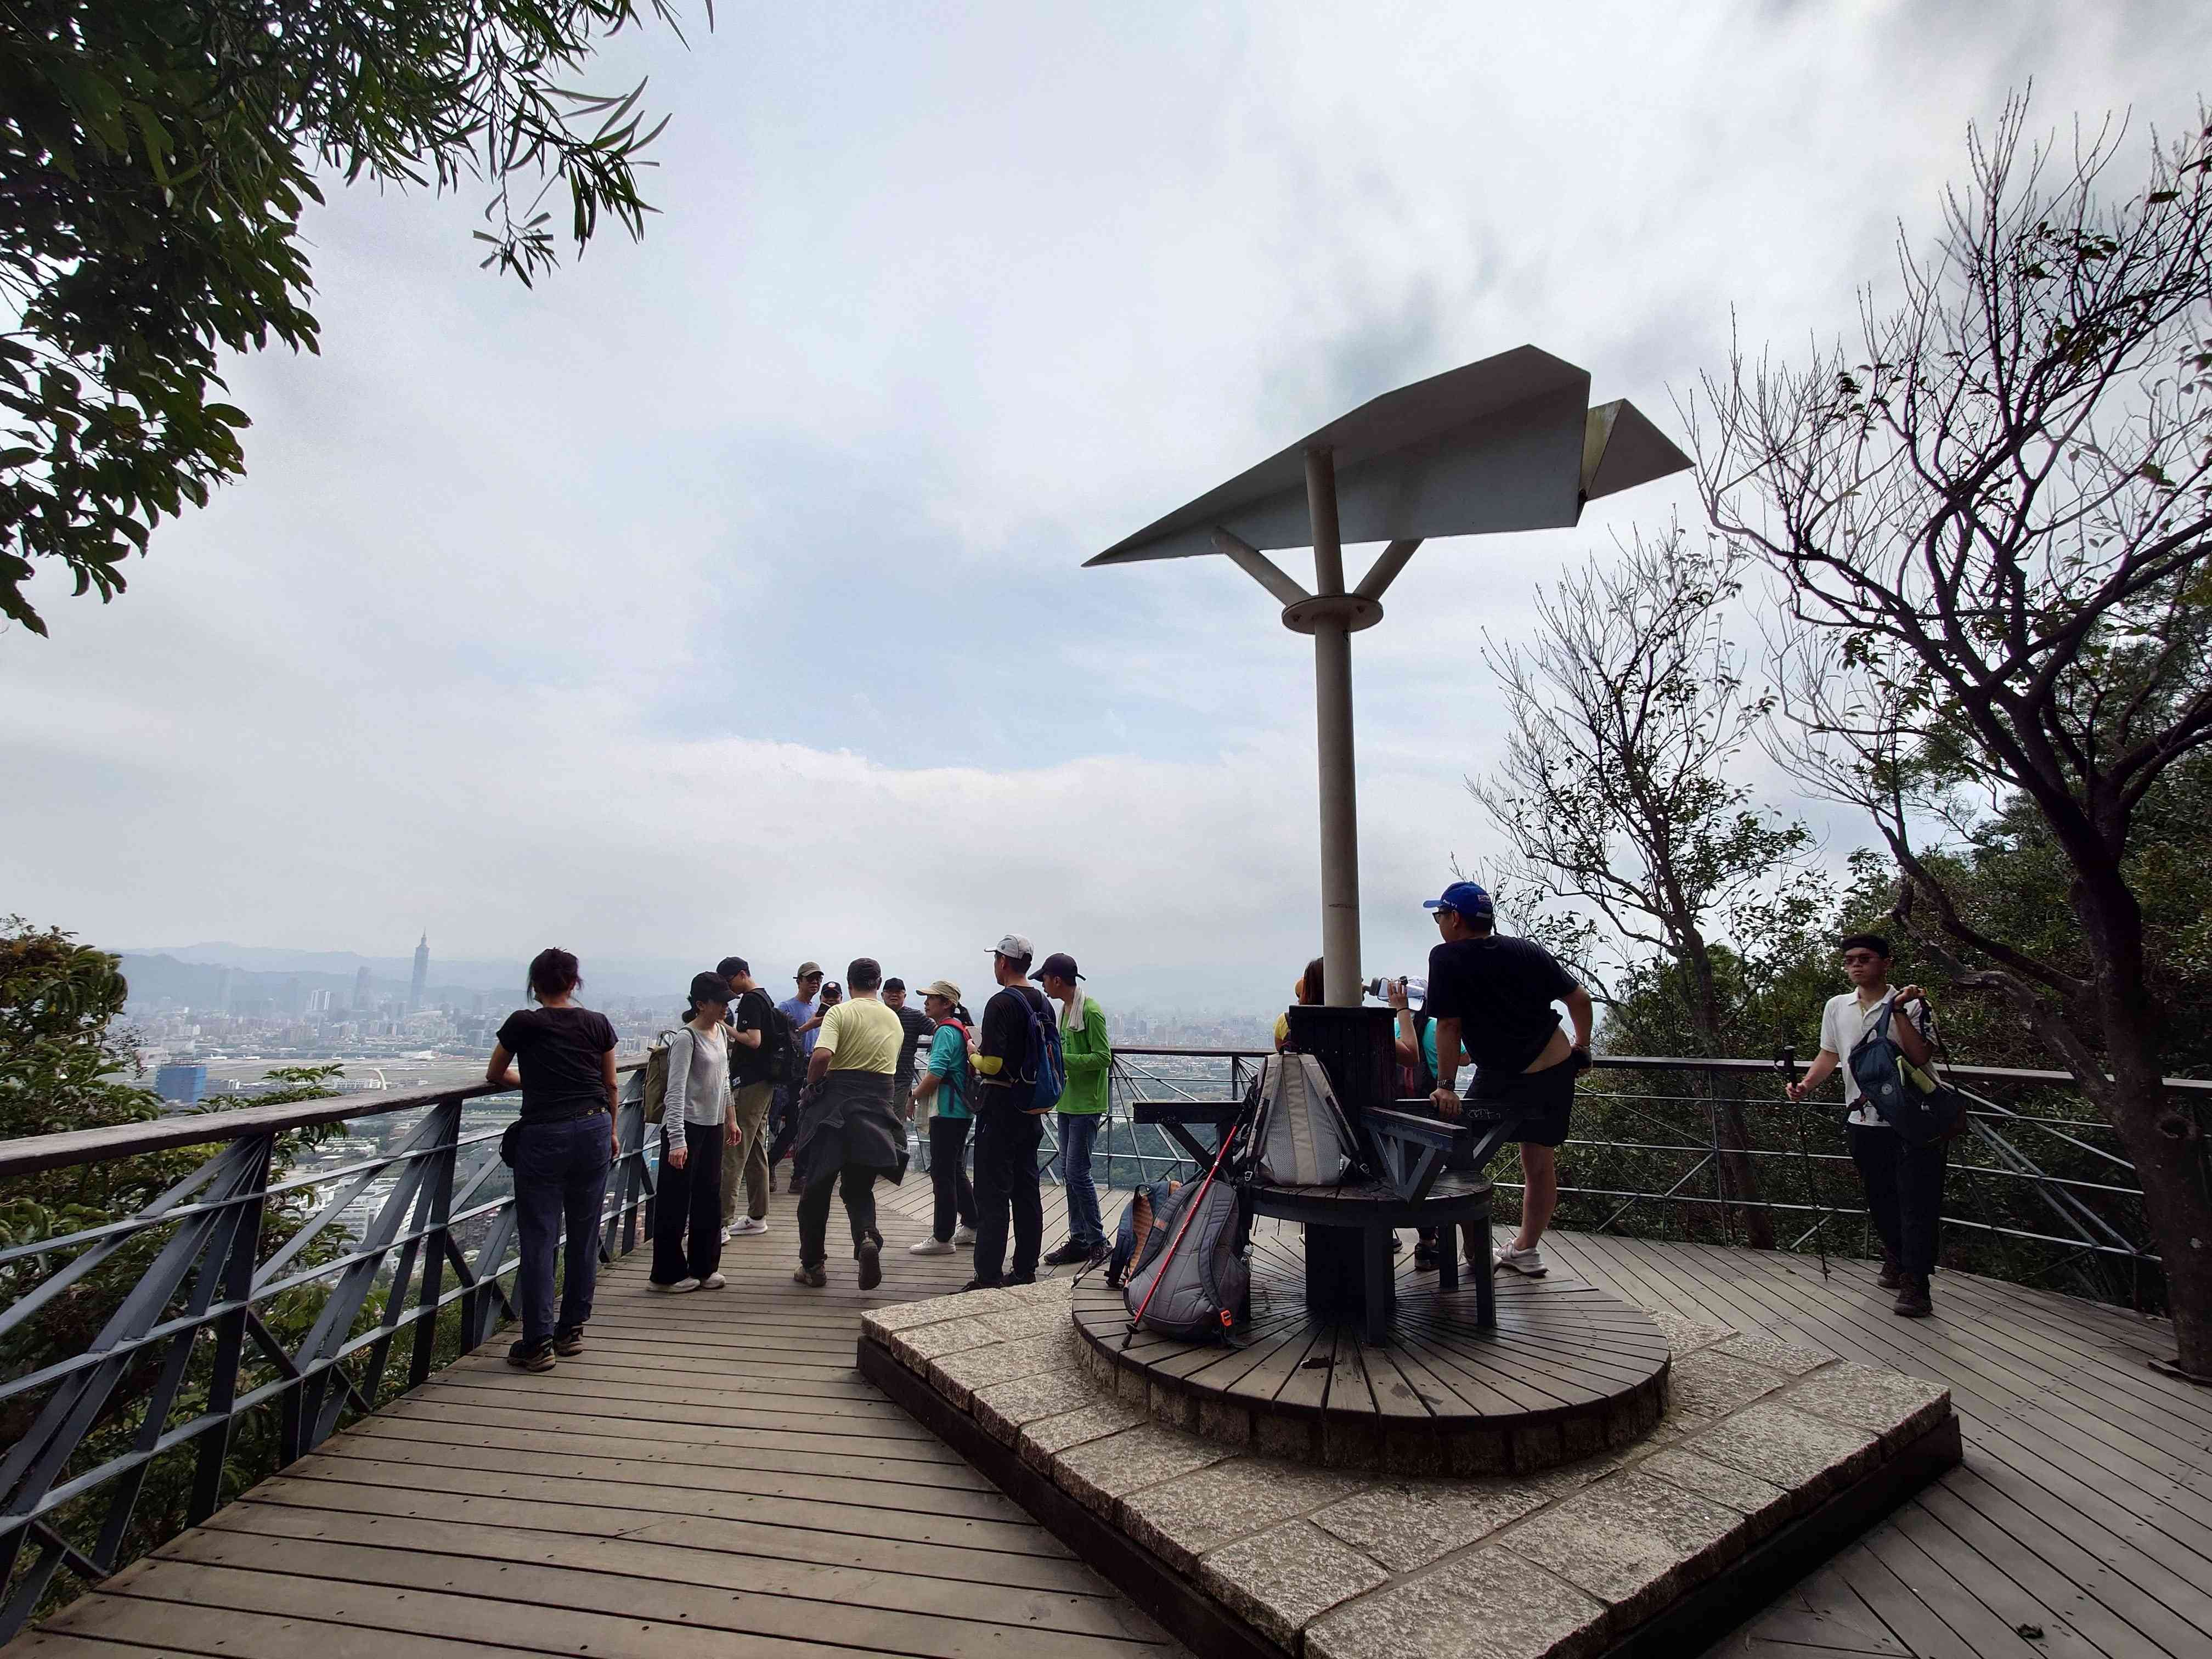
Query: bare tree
x=1992, y=516
x=1630, y=711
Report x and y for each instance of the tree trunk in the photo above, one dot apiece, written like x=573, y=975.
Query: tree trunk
x=1731, y=1132
x=2166, y=1142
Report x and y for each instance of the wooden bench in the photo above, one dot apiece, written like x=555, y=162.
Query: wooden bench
x=1348, y=1229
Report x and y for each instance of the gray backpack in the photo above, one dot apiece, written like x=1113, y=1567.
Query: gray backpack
x=1301, y=1135
x=1203, y=1279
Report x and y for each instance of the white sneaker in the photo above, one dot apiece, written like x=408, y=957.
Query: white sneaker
x=1528, y=1263
x=712, y=1282
x=676, y=1289
x=726, y=1235
x=930, y=1247
x=745, y=1227
x=962, y=1237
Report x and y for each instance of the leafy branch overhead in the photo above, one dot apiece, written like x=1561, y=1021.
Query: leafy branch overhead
x=156, y=158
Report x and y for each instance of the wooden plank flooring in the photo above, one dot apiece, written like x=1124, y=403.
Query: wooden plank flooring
x=713, y=1479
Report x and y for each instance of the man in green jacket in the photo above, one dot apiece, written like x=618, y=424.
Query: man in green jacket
x=1090, y=1056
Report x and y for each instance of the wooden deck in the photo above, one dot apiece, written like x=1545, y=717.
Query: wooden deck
x=713, y=1480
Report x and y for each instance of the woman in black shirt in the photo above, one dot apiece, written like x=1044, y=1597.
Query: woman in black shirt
x=564, y=1148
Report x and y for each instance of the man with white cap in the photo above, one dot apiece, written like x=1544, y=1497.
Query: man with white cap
x=1008, y=1128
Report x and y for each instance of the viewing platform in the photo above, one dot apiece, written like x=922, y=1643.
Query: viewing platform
x=713, y=1477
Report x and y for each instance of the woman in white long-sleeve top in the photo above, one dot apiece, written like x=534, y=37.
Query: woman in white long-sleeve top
x=687, y=1200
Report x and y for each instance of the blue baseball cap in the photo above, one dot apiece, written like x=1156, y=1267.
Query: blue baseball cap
x=1465, y=897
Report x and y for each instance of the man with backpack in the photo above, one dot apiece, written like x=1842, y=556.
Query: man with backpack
x=760, y=1056
x=1904, y=1182
x=1018, y=1079
x=805, y=1012
x=942, y=1098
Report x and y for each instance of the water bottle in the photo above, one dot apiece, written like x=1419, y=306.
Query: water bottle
x=1417, y=991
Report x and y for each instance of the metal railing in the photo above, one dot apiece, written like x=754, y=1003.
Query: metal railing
x=440, y=1203
x=2091, y=1238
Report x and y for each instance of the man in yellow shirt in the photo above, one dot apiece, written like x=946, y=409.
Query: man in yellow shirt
x=849, y=1131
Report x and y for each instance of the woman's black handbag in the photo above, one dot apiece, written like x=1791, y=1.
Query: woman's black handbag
x=1922, y=1110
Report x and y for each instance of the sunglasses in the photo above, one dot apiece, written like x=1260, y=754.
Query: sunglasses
x=1861, y=959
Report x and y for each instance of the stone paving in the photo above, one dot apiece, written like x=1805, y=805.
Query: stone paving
x=1348, y=1565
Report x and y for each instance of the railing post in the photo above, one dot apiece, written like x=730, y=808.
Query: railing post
x=237, y=1287
x=440, y=1200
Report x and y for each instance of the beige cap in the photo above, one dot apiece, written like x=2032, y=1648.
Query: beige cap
x=807, y=968
x=942, y=988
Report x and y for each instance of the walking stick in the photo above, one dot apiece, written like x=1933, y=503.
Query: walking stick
x=1786, y=1063
x=1189, y=1212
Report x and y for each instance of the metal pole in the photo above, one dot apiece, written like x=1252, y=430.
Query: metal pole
x=1340, y=809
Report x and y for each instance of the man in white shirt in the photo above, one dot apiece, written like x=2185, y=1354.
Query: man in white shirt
x=1903, y=1184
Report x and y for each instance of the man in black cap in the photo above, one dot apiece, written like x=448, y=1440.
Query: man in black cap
x=1008, y=1128
x=1089, y=1057
x=744, y=1154
x=919, y=1028
x=1493, y=997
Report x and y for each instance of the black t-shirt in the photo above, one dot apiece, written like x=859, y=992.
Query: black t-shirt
x=1007, y=1035
x=919, y=1028
x=749, y=1065
x=558, y=1051
x=1501, y=991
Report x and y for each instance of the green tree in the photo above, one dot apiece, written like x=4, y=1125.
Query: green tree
x=1620, y=795
x=1992, y=517
x=155, y=157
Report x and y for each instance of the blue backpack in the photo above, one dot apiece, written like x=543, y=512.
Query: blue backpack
x=1046, y=1073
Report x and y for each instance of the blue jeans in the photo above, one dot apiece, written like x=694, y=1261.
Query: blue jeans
x=560, y=1174
x=1079, y=1132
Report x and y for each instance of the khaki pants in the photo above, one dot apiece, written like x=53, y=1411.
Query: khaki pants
x=747, y=1159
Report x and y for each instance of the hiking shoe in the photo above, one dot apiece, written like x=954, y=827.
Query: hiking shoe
x=712, y=1282
x=567, y=1344
x=1018, y=1278
x=1425, y=1259
x=962, y=1237
x=870, y=1254
x=810, y=1276
x=930, y=1247
x=531, y=1356
x=983, y=1285
x=747, y=1226
x=1528, y=1263
x=1067, y=1254
x=1913, y=1301
x=1893, y=1276
x=676, y=1289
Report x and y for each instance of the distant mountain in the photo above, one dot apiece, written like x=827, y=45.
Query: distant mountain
x=335, y=969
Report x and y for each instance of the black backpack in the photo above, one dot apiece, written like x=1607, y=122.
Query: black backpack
x=779, y=1041
x=1922, y=1108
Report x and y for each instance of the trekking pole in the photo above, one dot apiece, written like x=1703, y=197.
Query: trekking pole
x=1786, y=1063
x=1189, y=1212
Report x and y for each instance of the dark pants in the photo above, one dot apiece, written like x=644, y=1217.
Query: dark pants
x=856, y=1184
x=783, y=1124
x=1079, y=1132
x=560, y=1177
x=687, y=1205
x=1006, y=1143
x=948, y=1175
x=1905, y=1193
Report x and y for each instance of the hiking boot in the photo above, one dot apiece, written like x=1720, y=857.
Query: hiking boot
x=1067, y=1254
x=676, y=1289
x=712, y=1282
x=870, y=1254
x=1018, y=1278
x=567, y=1344
x=962, y=1237
x=930, y=1247
x=983, y=1285
x=1893, y=1276
x=1913, y=1301
x=531, y=1356
x=1425, y=1259
x=1528, y=1263
x=812, y=1277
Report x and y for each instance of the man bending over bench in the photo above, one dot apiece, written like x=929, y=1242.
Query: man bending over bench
x=1491, y=998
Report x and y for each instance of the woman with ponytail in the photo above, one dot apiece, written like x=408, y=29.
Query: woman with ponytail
x=563, y=1146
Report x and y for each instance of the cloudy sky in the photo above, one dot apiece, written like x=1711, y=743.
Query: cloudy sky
x=723, y=594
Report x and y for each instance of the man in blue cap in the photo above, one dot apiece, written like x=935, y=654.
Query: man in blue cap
x=1492, y=999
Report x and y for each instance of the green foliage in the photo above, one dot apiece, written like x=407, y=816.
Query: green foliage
x=155, y=157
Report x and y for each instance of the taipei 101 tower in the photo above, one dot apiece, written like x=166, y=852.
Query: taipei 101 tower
x=421, y=974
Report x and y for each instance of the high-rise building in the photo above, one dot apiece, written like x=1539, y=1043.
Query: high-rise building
x=421, y=974
x=362, y=997
x=183, y=1084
